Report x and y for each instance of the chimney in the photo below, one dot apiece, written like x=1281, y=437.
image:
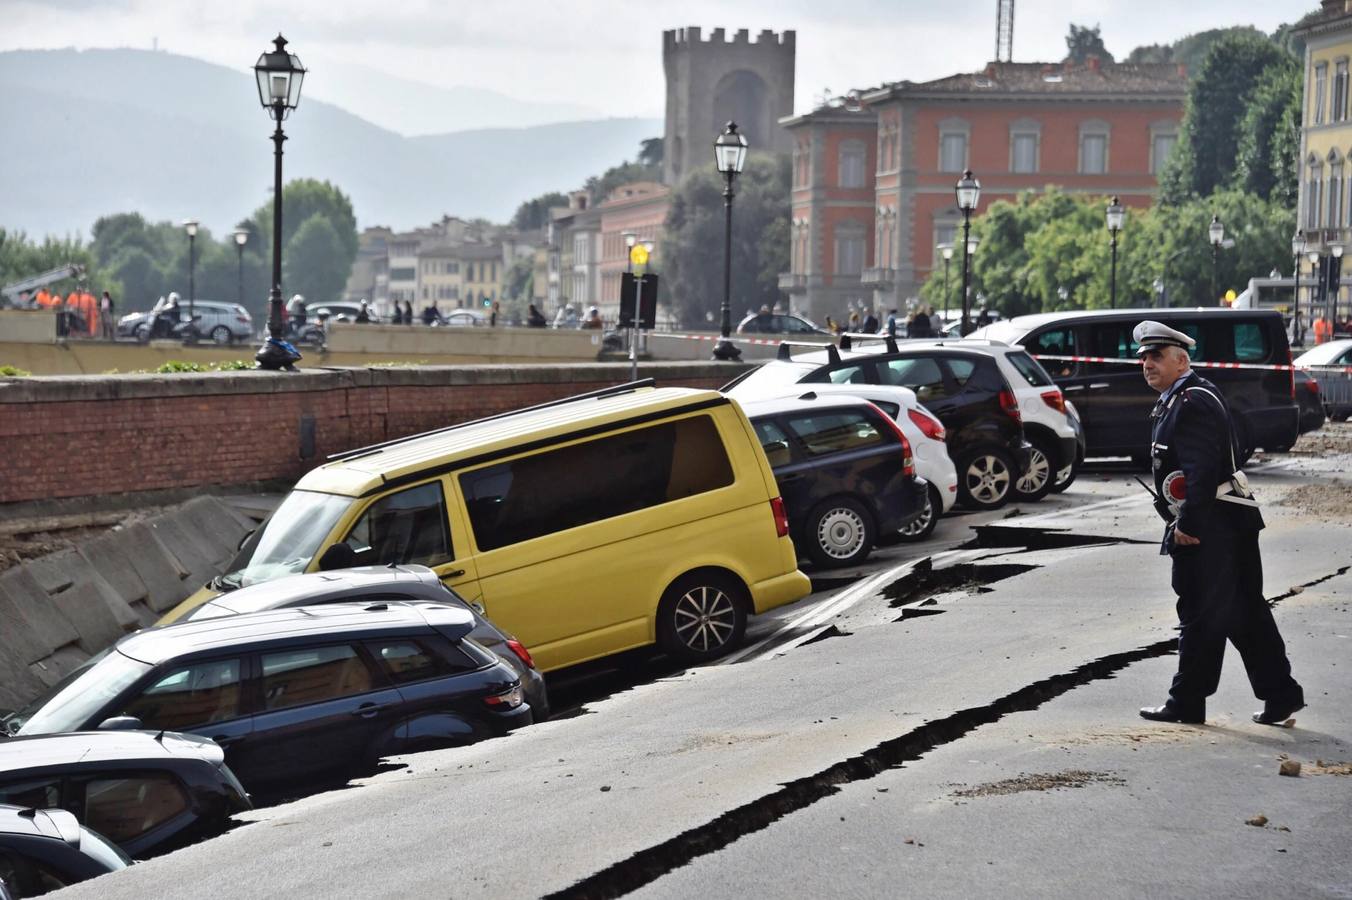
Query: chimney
x=1092, y=62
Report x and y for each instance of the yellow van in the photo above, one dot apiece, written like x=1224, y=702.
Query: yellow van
x=586, y=526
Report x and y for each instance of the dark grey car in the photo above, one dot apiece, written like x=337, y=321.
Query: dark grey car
x=373, y=584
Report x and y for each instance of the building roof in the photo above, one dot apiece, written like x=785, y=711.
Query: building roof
x=1333, y=17
x=1047, y=81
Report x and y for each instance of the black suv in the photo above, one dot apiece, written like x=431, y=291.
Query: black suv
x=844, y=470
x=961, y=384
x=44, y=850
x=295, y=695
x=146, y=792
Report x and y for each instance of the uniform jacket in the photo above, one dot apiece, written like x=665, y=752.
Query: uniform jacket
x=1193, y=453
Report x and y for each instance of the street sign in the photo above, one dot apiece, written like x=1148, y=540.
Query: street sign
x=629, y=284
x=638, y=255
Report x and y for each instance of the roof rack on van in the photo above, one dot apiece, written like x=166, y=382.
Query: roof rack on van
x=589, y=395
x=832, y=355
x=848, y=338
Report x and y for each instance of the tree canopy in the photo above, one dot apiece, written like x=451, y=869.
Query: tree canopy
x=1083, y=42
x=533, y=214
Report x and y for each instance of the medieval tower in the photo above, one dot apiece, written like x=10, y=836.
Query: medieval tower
x=711, y=82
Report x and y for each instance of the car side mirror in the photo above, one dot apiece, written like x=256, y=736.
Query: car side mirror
x=339, y=556
x=121, y=723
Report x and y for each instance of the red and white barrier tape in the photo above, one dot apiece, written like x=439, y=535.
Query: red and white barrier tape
x=1273, y=367
x=768, y=342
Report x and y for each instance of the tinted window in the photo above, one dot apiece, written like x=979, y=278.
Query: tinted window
x=44, y=793
x=406, y=661
x=124, y=808
x=1029, y=369
x=1056, y=342
x=594, y=480
x=919, y=373
x=834, y=432
x=846, y=375
x=961, y=370
x=405, y=527
x=26, y=877
x=887, y=406
x=774, y=442
x=190, y=696
x=1250, y=342
x=312, y=675
x=1112, y=340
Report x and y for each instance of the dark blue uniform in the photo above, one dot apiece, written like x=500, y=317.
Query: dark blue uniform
x=1219, y=582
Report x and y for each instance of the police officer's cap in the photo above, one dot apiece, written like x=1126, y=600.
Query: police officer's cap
x=1154, y=335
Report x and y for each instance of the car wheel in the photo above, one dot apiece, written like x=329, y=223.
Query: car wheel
x=221, y=335
x=924, y=524
x=985, y=478
x=839, y=533
x=143, y=334
x=701, y=616
x=1066, y=477
x=1038, y=478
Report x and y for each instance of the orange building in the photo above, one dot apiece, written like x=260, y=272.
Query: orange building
x=873, y=178
x=638, y=208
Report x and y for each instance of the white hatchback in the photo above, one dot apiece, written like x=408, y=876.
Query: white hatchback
x=922, y=428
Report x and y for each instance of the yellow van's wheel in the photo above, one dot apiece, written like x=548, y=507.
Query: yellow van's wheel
x=701, y=616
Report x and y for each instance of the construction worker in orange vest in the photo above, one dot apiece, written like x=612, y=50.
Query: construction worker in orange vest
x=90, y=306
x=1322, y=331
x=43, y=298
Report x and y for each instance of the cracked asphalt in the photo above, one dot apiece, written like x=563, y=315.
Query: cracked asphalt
x=985, y=744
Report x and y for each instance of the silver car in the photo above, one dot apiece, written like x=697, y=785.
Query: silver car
x=222, y=323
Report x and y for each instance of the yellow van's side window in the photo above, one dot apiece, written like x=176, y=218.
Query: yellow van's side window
x=594, y=480
x=405, y=527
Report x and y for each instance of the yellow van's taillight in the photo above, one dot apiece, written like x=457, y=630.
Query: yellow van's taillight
x=781, y=517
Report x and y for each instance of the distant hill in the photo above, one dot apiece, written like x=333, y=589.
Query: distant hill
x=92, y=132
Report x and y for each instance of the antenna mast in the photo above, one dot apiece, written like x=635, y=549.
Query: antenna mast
x=1004, y=31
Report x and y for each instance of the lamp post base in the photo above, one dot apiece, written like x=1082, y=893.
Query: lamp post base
x=726, y=351
x=277, y=354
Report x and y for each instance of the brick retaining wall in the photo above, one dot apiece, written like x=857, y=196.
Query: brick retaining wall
x=66, y=437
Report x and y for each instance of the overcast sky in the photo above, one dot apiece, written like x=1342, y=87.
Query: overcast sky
x=606, y=54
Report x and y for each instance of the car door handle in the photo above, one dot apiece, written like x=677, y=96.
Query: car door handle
x=1074, y=387
x=785, y=479
x=1101, y=384
x=227, y=740
x=367, y=710
x=454, y=573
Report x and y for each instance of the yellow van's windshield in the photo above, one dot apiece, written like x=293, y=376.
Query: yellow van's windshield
x=287, y=541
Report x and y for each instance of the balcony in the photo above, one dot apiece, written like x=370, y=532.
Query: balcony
x=880, y=279
x=792, y=282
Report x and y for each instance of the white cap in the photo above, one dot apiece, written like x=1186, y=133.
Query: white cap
x=1153, y=335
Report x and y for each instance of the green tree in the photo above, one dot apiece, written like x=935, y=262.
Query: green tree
x=691, y=261
x=1266, y=161
x=533, y=215
x=1218, y=97
x=520, y=281
x=601, y=186
x=1192, y=50
x=309, y=262
x=1083, y=42
x=1152, y=53
x=142, y=280
x=650, y=152
x=302, y=199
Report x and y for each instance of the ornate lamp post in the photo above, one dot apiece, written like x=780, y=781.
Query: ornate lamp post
x=190, y=226
x=279, y=77
x=968, y=190
x=241, y=238
x=1336, y=287
x=630, y=238
x=729, y=157
x=1297, y=251
x=1216, y=232
x=1115, y=216
x=946, y=249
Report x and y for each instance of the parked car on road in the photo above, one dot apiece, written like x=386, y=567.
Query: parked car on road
x=962, y=385
x=844, y=469
x=1312, y=413
x=1335, y=387
x=585, y=526
x=221, y=323
x=923, y=431
x=44, y=850
x=779, y=323
x=371, y=584
x=145, y=792
x=295, y=696
x=1113, y=400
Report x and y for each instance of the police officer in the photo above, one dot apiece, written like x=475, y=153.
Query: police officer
x=1212, y=536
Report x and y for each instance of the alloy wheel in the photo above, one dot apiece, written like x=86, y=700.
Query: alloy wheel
x=705, y=618
x=1039, y=470
x=987, y=478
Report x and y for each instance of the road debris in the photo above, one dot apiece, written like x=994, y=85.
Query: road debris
x=1290, y=767
x=1074, y=778
x=1257, y=821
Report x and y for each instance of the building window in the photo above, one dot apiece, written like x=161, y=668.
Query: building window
x=802, y=164
x=1335, y=206
x=1094, y=148
x=1023, y=153
x=1161, y=145
x=1314, y=190
x=952, y=152
x=850, y=249
x=1321, y=77
x=850, y=172
x=1340, y=92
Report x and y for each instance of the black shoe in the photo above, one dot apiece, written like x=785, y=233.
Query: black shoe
x=1275, y=712
x=1170, y=713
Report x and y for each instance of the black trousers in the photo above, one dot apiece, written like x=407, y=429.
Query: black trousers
x=1220, y=597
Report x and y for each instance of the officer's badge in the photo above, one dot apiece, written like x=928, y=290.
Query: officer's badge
x=1174, y=490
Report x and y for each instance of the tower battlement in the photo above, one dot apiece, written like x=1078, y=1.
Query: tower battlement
x=691, y=38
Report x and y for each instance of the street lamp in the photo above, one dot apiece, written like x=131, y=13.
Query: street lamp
x=947, y=250
x=241, y=238
x=630, y=238
x=1216, y=231
x=1115, y=216
x=968, y=190
x=190, y=226
x=279, y=77
x=1337, y=285
x=729, y=157
x=1297, y=251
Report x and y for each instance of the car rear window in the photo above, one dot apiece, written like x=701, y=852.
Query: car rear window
x=834, y=432
x=1250, y=342
x=1028, y=367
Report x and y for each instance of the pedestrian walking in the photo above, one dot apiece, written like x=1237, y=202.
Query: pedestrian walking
x=1211, y=534
x=534, y=318
x=891, y=325
x=854, y=325
x=870, y=323
x=106, y=312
